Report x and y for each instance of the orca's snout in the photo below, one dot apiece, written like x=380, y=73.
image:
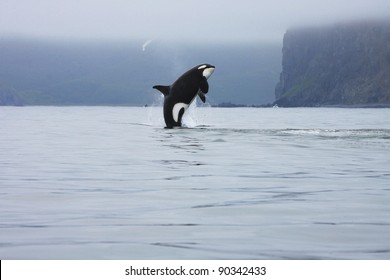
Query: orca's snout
x=208, y=71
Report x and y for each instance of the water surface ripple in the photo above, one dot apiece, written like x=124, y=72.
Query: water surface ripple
x=112, y=183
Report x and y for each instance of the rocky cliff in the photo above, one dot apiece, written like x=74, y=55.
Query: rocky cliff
x=344, y=64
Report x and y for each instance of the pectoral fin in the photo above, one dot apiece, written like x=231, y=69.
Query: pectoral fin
x=204, y=85
x=202, y=96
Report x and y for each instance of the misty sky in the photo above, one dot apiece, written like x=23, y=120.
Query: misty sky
x=177, y=20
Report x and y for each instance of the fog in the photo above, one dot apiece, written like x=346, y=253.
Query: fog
x=177, y=20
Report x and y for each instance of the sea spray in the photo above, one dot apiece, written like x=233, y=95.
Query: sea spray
x=194, y=115
x=155, y=111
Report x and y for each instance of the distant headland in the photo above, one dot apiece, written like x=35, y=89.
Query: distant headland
x=339, y=65
x=121, y=73
x=346, y=65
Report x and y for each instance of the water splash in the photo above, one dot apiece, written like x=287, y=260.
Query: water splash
x=190, y=116
x=193, y=116
x=155, y=111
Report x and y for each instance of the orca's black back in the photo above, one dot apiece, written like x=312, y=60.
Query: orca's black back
x=185, y=88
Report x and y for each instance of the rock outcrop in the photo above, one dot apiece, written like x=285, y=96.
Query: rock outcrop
x=344, y=64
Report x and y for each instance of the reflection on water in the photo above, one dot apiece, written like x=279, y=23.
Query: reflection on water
x=99, y=183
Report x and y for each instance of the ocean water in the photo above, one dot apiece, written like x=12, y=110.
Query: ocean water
x=243, y=183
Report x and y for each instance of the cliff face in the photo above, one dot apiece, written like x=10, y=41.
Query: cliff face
x=340, y=65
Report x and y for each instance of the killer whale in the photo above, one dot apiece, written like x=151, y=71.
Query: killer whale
x=179, y=95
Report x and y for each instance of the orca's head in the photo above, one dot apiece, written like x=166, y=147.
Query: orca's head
x=206, y=70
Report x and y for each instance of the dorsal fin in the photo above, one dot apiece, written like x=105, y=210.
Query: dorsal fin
x=163, y=89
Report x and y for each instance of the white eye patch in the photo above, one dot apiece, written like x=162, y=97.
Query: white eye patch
x=202, y=67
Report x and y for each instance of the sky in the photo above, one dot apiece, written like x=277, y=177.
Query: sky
x=177, y=20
